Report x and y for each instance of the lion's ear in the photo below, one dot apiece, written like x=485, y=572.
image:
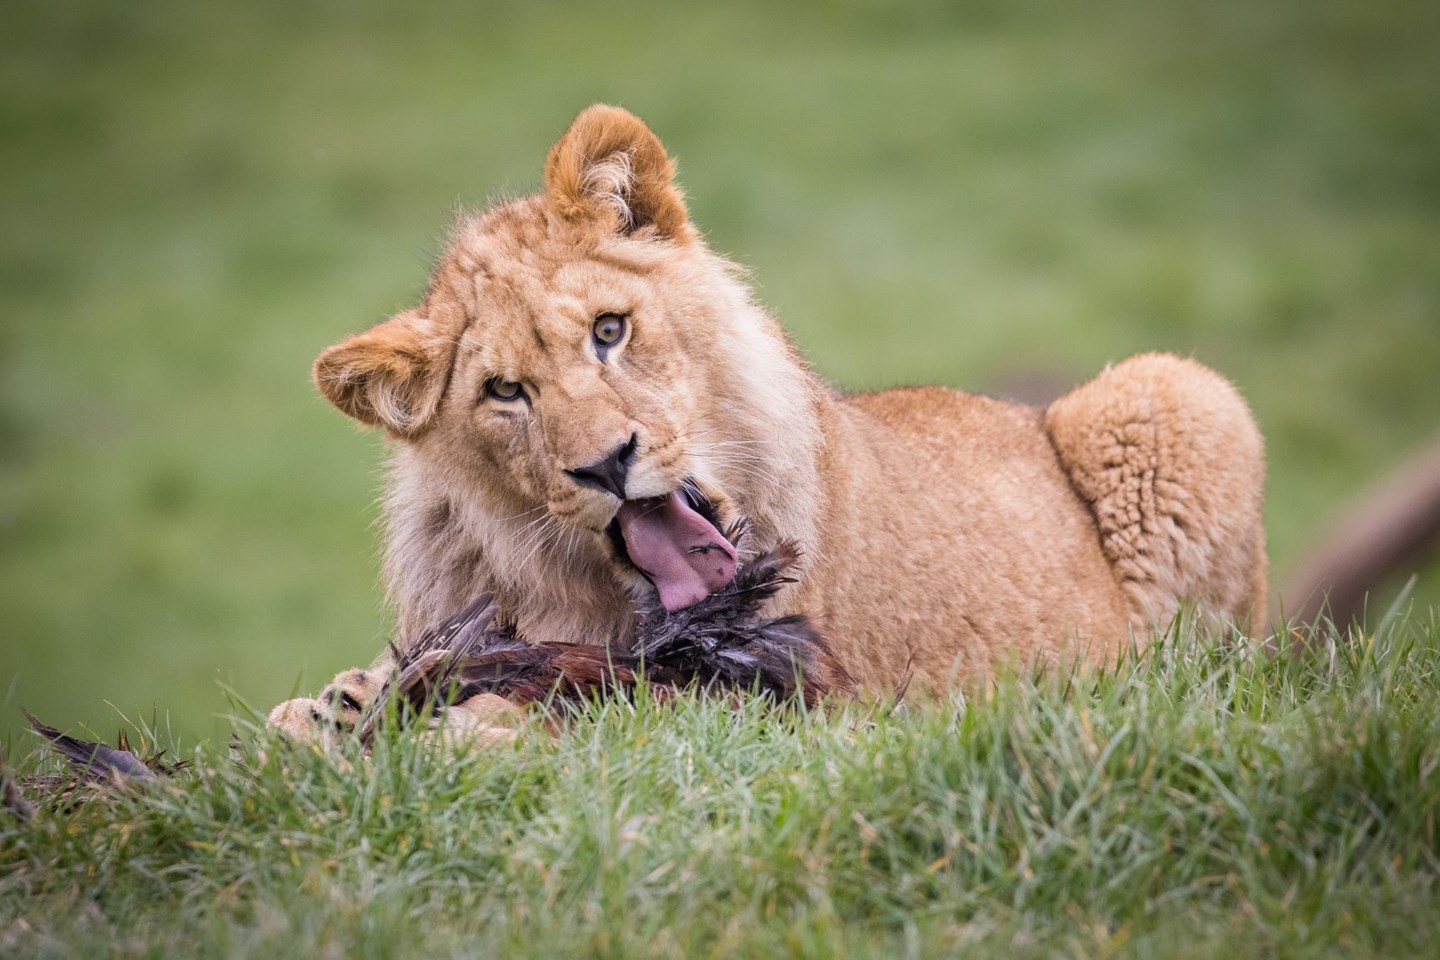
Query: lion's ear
x=609, y=164
x=390, y=376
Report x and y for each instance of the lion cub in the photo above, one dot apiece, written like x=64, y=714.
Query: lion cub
x=588, y=397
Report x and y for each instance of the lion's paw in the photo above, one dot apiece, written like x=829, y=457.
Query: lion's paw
x=336, y=711
x=350, y=694
x=304, y=719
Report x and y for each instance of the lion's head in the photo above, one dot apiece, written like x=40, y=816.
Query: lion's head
x=586, y=399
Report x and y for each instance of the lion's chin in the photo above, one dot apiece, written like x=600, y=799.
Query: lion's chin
x=675, y=542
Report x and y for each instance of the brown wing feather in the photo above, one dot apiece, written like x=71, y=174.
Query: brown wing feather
x=719, y=643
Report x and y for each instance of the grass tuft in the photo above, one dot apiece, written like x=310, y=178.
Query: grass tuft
x=1202, y=797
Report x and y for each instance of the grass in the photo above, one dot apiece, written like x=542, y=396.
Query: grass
x=1201, y=799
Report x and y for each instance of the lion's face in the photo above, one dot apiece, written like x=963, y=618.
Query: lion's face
x=585, y=376
x=577, y=388
x=566, y=361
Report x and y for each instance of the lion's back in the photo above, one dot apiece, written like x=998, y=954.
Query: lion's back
x=966, y=532
x=958, y=543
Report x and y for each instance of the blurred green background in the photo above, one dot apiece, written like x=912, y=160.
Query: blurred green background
x=198, y=197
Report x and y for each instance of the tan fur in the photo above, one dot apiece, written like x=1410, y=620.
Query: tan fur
x=943, y=533
x=481, y=721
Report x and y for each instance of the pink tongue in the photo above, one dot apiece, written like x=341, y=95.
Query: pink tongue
x=680, y=551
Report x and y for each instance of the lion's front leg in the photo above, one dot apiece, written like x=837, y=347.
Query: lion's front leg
x=336, y=711
x=484, y=720
x=477, y=722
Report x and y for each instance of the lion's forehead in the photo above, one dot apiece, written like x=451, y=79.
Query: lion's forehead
x=523, y=239
x=544, y=300
x=543, y=312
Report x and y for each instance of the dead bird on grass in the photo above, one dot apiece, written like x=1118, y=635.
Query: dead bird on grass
x=472, y=675
x=717, y=644
x=91, y=765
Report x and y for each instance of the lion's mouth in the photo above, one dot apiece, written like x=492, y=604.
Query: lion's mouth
x=675, y=542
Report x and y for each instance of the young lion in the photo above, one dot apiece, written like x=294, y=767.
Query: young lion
x=588, y=395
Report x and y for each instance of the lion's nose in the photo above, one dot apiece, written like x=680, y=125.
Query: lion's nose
x=608, y=473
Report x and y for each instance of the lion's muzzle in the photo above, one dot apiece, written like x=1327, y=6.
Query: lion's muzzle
x=609, y=472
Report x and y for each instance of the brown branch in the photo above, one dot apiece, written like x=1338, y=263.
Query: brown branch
x=1391, y=529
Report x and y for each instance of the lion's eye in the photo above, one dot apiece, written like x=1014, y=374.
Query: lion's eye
x=608, y=329
x=505, y=390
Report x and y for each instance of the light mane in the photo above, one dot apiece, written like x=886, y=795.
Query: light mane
x=444, y=547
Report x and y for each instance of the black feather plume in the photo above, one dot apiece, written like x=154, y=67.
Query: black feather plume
x=719, y=643
x=92, y=761
x=722, y=641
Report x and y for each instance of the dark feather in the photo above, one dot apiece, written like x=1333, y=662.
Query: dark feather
x=719, y=643
x=93, y=761
x=722, y=641
x=428, y=671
